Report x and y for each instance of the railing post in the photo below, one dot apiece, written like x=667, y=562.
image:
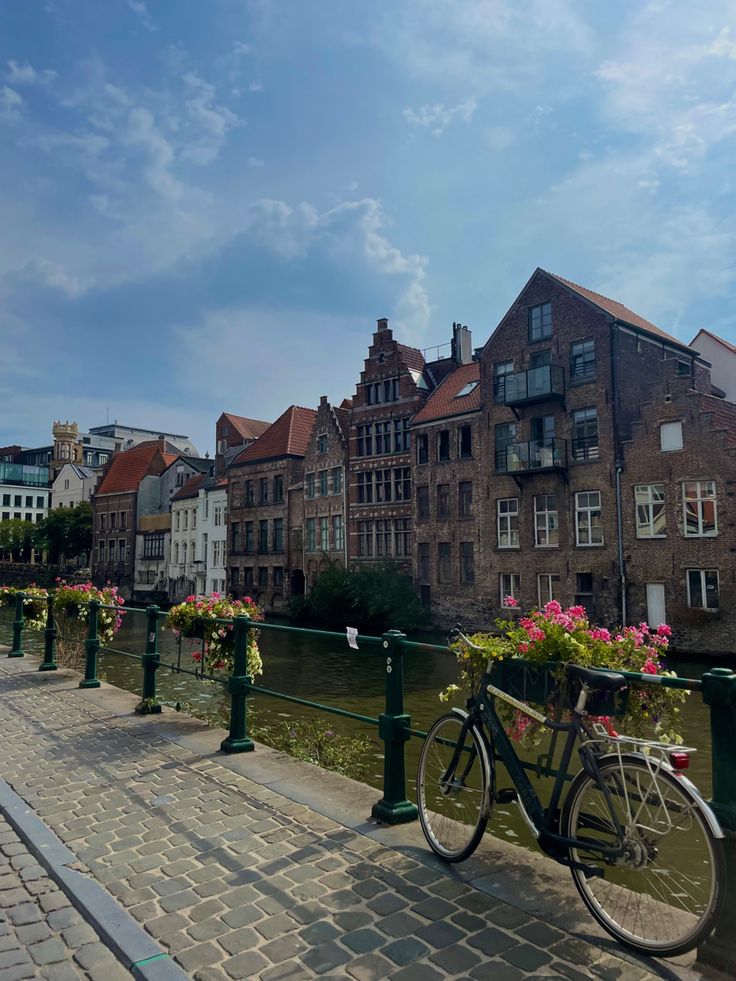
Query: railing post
x=18, y=624
x=92, y=646
x=49, y=635
x=149, y=704
x=393, y=729
x=238, y=740
x=719, y=692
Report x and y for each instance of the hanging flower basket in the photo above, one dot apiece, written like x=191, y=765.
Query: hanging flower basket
x=194, y=630
x=197, y=617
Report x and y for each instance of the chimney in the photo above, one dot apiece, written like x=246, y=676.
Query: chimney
x=382, y=323
x=323, y=400
x=462, y=347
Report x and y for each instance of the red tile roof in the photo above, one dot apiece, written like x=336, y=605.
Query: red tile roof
x=616, y=309
x=445, y=401
x=248, y=428
x=190, y=488
x=411, y=356
x=288, y=436
x=721, y=340
x=126, y=470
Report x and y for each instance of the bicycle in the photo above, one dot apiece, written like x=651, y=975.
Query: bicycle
x=626, y=822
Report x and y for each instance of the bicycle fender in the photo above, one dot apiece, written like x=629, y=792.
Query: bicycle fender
x=687, y=785
x=489, y=760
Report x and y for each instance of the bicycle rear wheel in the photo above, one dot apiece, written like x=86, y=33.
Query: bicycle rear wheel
x=453, y=806
x=663, y=896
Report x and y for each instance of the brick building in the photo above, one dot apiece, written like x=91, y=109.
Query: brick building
x=325, y=490
x=232, y=433
x=266, y=511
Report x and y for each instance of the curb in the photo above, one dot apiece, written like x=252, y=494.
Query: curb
x=133, y=947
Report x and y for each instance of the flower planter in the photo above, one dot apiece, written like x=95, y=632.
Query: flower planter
x=33, y=609
x=540, y=684
x=194, y=630
x=71, y=611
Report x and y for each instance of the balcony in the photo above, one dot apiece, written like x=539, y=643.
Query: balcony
x=536, y=456
x=535, y=385
x=24, y=475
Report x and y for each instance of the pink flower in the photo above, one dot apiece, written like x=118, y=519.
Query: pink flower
x=552, y=608
x=190, y=599
x=600, y=633
x=663, y=630
x=649, y=667
x=510, y=601
x=523, y=648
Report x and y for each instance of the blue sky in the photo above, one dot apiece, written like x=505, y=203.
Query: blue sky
x=206, y=204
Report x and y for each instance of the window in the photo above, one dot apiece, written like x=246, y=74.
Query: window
x=322, y=442
x=310, y=485
x=186, y=520
x=365, y=487
x=17, y=500
x=249, y=536
x=113, y=514
x=121, y=550
x=500, y=370
x=584, y=591
x=176, y=551
x=123, y=519
x=216, y=553
x=338, y=533
x=177, y=520
x=464, y=442
x=402, y=484
x=263, y=490
x=670, y=436
x=364, y=440
x=467, y=562
x=546, y=525
x=699, y=508
x=249, y=493
x=324, y=534
x=382, y=437
x=383, y=485
x=383, y=538
x=365, y=538
x=507, y=522
x=585, y=434
x=588, y=518
x=422, y=503
x=6, y=500
x=204, y=547
x=702, y=589
x=422, y=448
x=548, y=587
x=234, y=577
x=217, y=515
x=465, y=498
x=443, y=501
x=540, y=322
x=506, y=433
x=278, y=535
x=29, y=516
x=193, y=550
x=6, y=516
x=263, y=575
x=391, y=390
x=248, y=575
x=423, y=562
x=337, y=480
x=278, y=489
x=510, y=586
x=153, y=547
x=401, y=435
x=402, y=538
x=235, y=547
x=443, y=446
x=311, y=534
x=444, y=562
x=323, y=483
x=278, y=575
x=582, y=359
x=650, y=515
x=179, y=476
x=263, y=536
x=467, y=389
x=40, y=503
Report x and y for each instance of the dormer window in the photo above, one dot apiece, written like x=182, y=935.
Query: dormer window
x=540, y=322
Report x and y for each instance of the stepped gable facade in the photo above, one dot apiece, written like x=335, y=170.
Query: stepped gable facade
x=265, y=505
x=323, y=535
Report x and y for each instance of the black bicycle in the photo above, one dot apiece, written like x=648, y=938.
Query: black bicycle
x=643, y=846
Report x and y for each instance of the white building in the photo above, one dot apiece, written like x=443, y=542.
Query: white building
x=722, y=357
x=212, y=564
x=184, y=535
x=24, y=492
x=73, y=485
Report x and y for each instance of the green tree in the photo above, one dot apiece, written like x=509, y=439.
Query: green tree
x=66, y=532
x=17, y=538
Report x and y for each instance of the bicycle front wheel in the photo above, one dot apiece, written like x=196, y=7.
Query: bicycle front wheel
x=453, y=799
x=662, y=896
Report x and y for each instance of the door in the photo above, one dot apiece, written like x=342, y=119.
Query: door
x=656, y=613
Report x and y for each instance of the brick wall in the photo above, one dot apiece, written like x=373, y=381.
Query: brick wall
x=325, y=455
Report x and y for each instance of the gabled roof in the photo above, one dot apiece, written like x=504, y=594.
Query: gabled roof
x=616, y=309
x=446, y=399
x=343, y=420
x=127, y=469
x=190, y=487
x=248, y=428
x=288, y=436
x=411, y=356
x=714, y=337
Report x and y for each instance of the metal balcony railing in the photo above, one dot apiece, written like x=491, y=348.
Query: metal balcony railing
x=536, y=455
x=534, y=385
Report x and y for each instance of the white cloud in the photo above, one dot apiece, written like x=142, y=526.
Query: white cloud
x=209, y=121
x=724, y=46
x=10, y=104
x=255, y=86
x=142, y=131
x=28, y=75
x=256, y=162
x=139, y=7
x=437, y=118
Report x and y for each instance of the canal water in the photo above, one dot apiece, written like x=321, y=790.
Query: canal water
x=329, y=672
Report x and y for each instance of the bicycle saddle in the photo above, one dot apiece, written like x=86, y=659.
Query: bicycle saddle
x=598, y=680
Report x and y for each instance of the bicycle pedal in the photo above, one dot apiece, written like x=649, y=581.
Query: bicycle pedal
x=506, y=796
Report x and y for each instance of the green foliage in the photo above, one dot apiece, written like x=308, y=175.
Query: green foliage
x=372, y=598
x=66, y=532
x=314, y=742
x=17, y=538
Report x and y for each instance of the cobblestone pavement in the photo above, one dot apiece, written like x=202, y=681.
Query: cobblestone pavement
x=41, y=934
x=237, y=881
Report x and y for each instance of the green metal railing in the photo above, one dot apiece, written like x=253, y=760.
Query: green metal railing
x=717, y=687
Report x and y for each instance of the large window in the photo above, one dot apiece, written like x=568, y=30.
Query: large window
x=702, y=589
x=588, y=518
x=444, y=562
x=153, y=547
x=465, y=498
x=219, y=514
x=312, y=534
x=383, y=485
x=650, y=514
x=443, y=446
x=383, y=537
x=402, y=436
x=423, y=562
x=263, y=536
x=383, y=437
x=338, y=533
x=337, y=480
x=249, y=544
x=322, y=442
x=509, y=586
x=670, y=436
x=402, y=537
x=422, y=503
x=540, y=322
x=507, y=522
x=249, y=493
x=422, y=448
x=263, y=490
x=309, y=485
x=464, y=442
x=500, y=370
x=582, y=359
x=699, y=508
x=323, y=483
x=402, y=483
x=506, y=433
x=546, y=524
x=324, y=534
x=364, y=440
x=278, y=489
x=365, y=538
x=585, y=434
x=365, y=487
x=548, y=587
x=443, y=501
x=467, y=562
x=278, y=535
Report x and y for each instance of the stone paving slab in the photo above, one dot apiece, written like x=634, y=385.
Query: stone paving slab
x=237, y=880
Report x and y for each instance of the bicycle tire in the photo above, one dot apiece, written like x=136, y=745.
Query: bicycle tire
x=647, y=902
x=453, y=820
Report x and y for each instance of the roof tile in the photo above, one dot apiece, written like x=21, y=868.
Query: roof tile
x=445, y=400
x=288, y=436
x=248, y=428
x=126, y=470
